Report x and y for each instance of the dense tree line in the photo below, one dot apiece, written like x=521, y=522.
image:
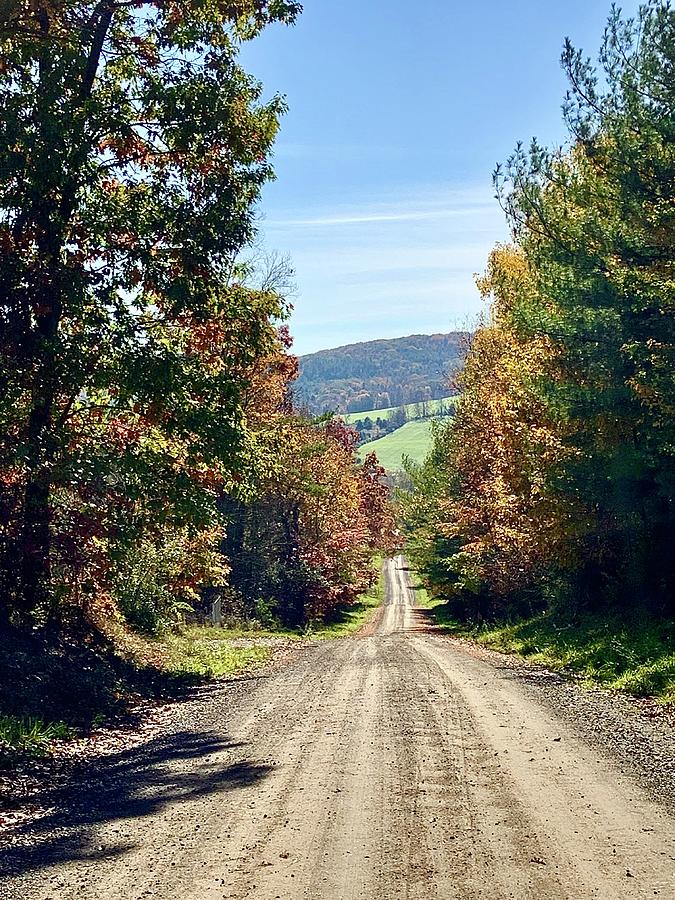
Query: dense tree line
x=373, y=426
x=555, y=486
x=302, y=544
x=143, y=374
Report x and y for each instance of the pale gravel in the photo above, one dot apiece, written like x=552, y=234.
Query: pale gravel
x=398, y=764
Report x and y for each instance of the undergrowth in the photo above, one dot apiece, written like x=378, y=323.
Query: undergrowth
x=635, y=655
x=630, y=653
x=28, y=735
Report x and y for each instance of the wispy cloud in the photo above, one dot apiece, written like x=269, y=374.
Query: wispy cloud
x=357, y=218
x=398, y=263
x=453, y=205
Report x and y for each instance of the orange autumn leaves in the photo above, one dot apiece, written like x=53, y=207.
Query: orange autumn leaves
x=505, y=444
x=555, y=489
x=332, y=513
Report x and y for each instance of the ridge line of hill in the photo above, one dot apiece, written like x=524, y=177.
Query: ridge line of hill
x=380, y=373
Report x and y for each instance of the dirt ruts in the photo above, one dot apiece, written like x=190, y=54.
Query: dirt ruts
x=394, y=764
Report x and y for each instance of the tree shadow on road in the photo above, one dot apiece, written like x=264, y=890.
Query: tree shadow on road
x=423, y=621
x=429, y=618
x=131, y=784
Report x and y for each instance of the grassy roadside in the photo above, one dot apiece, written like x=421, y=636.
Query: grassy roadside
x=53, y=692
x=630, y=654
x=56, y=694
x=215, y=652
x=29, y=736
x=207, y=652
x=351, y=618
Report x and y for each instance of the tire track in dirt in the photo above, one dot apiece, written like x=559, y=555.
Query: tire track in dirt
x=393, y=765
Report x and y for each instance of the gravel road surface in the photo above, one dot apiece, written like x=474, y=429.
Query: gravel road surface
x=399, y=763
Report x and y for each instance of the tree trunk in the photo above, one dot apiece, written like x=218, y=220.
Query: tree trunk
x=297, y=602
x=51, y=219
x=36, y=530
x=36, y=545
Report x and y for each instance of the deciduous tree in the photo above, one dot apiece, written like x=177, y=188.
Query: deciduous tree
x=132, y=147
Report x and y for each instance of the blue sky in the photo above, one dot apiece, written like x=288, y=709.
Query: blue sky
x=398, y=112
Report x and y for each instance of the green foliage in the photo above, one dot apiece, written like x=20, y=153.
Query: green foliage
x=156, y=583
x=217, y=652
x=596, y=226
x=555, y=488
x=133, y=149
x=422, y=409
x=380, y=374
x=143, y=372
x=29, y=736
x=419, y=510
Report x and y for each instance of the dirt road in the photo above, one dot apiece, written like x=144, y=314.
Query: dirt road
x=399, y=764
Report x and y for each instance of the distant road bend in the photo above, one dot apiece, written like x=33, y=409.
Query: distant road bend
x=395, y=764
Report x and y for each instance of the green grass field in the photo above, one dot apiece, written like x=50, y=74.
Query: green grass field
x=432, y=408
x=412, y=439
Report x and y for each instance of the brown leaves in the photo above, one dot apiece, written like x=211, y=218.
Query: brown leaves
x=504, y=443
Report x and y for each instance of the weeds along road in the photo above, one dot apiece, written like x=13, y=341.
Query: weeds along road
x=395, y=764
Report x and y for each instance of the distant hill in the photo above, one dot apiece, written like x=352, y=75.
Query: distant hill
x=380, y=374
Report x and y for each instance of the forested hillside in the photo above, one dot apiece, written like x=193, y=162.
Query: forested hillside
x=380, y=374
x=553, y=489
